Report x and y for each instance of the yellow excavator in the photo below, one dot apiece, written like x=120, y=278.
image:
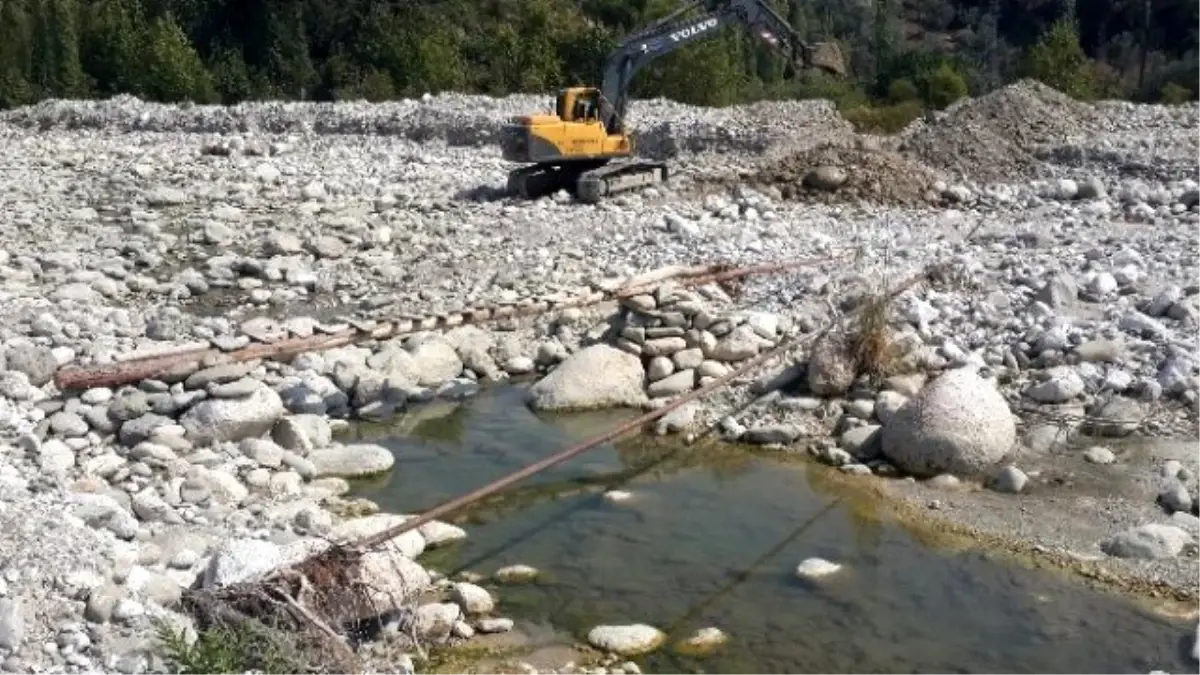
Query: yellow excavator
x=585, y=147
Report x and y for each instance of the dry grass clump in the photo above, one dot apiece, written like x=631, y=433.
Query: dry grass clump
x=871, y=341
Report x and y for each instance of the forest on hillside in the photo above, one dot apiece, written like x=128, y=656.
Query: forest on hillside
x=911, y=54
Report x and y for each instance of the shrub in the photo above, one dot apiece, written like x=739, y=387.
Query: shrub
x=885, y=119
x=902, y=90
x=1058, y=60
x=1174, y=94
x=944, y=86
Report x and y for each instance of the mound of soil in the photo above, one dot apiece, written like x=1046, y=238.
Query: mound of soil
x=835, y=173
x=994, y=138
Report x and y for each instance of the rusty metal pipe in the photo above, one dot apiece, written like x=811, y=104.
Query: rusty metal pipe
x=563, y=455
x=189, y=358
x=492, y=488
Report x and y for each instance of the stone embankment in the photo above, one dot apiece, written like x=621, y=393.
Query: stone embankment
x=1065, y=319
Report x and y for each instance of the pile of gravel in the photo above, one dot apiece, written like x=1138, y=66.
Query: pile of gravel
x=1151, y=142
x=667, y=129
x=869, y=175
x=995, y=137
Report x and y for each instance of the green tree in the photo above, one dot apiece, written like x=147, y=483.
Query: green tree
x=290, y=63
x=111, y=46
x=944, y=86
x=173, y=70
x=57, y=68
x=522, y=52
x=16, y=55
x=1058, y=60
x=230, y=76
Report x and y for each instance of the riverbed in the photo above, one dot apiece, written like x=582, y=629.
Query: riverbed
x=712, y=535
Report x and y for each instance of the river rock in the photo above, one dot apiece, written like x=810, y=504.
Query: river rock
x=703, y=641
x=391, y=582
x=473, y=599
x=1062, y=384
x=515, y=574
x=215, y=420
x=36, y=362
x=958, y=423
x=598, y=376
x=630, y=640
x=1116, y=417
x=409, y=544
x=12, y=623
x=816, y=568
x=862, y=442
x=436, y=360
x=1009, y=479
x=302, y=433
x=1099, y=455
x=494, y=625
x=1152, y=541
x=831, y=368
x=434, y=621
x=1175, y=498
x=238, y=560
x=437, y=533
x=351, y=461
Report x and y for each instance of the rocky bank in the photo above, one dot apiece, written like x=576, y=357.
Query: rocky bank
x=1066, y=316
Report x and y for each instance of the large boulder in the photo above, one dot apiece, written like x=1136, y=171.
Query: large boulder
x=958, y=424
x=435, y=359
x=598, y=376
x=232, y=419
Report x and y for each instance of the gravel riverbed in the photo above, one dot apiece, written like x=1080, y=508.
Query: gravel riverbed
x=1066, y=319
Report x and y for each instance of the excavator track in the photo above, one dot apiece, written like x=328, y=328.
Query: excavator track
x=590, y=183
x=617, y=177
x=536, y=181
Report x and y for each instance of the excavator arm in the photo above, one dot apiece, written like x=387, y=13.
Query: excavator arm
x=670, y=33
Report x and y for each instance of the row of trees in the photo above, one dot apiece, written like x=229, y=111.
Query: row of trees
x=911, y=52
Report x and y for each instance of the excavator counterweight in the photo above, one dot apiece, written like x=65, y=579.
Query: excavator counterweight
x=586, y=147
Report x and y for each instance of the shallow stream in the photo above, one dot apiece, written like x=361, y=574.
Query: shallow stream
x=712, y=537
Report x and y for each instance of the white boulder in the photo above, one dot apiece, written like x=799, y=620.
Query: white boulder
x=958, y=423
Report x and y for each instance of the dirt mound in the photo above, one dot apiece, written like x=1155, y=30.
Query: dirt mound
x=838, y=173
x=993, y=138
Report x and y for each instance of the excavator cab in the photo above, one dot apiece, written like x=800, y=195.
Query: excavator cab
x=578, y=104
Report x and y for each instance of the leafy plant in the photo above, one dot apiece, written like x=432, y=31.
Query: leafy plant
x=220, y=650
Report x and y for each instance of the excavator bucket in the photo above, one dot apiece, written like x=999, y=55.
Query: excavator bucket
x=827, y=56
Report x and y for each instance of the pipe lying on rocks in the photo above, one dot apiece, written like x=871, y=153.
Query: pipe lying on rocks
x=341, y=557
x=180, y=361
x=446, y=508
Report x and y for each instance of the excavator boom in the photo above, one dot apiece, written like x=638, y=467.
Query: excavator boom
x=576, y=147
x=672, y=33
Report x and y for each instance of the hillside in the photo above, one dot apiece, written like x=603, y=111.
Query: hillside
x=922, y=53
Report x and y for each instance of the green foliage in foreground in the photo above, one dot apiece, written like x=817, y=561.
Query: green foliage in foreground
x=221, y=650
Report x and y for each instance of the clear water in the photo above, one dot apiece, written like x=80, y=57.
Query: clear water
x=712, y=538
